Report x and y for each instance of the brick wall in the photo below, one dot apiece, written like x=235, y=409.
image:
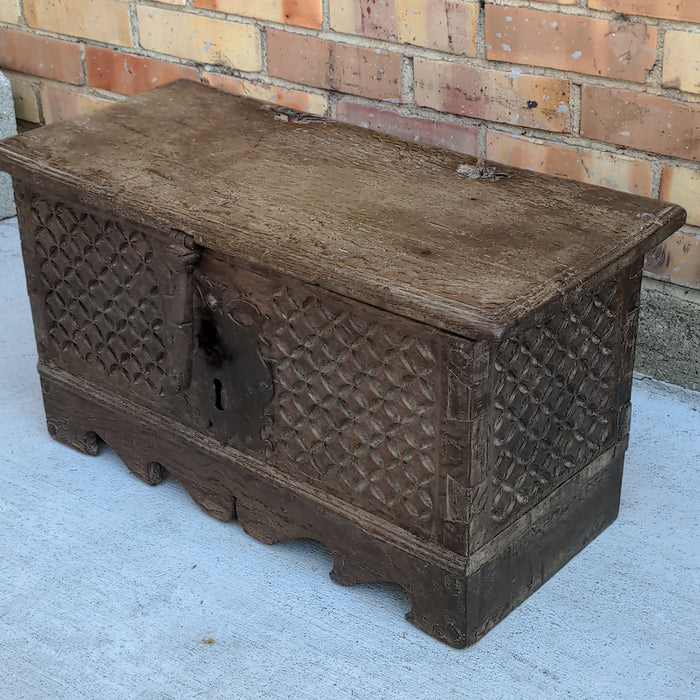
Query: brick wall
x=604, y=91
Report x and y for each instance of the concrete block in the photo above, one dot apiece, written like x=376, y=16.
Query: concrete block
x=668, y=338
x=8, y=127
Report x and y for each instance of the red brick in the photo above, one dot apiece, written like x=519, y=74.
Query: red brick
x=99, y=20
x=681, y=185
x=298, y=100
x=326, y=64
x=200, y=38
x=25, y=94
x=10, y=12
x=575, y=163
x=48, y=58
x=514, y=97
x=302, y=13
x=683, y=10
x=637, y=120
x=59, y=103
x=681, y=66
x=613, y=49
x=457, y=137
x=444, y=25
x=128, y=74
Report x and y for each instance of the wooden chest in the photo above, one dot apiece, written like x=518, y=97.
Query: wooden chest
x=420, y=360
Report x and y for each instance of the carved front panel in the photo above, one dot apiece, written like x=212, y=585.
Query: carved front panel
x=555, y=402
x=103, y=290
x=355, y=405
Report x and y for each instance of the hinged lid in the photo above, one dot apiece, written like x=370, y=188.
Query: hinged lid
x=469, y=247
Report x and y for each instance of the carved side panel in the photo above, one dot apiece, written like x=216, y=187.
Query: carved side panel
x=356, y=404
x=631, y=283
x=555, y=404
x=110, y=301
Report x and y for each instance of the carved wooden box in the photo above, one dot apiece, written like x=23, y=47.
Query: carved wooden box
x=420, y=360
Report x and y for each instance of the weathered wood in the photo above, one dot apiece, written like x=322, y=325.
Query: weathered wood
x=288, y=321
x=421, y=231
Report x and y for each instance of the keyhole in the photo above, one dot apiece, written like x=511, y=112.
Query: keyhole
x=217, y=394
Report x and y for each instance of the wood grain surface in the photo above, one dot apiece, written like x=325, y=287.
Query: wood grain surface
x=466, y=246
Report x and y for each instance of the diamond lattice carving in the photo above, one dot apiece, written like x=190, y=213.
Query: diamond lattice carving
x=102, y=302
x=555, y=400
x=355, y=405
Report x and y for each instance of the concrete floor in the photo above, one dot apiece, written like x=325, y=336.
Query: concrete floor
x=113, y=589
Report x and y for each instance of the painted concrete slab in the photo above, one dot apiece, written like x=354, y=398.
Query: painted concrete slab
x=113, y=589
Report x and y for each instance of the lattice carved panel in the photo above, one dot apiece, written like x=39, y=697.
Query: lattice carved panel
x=103, y=299
x=555, y=405
x=355, y=406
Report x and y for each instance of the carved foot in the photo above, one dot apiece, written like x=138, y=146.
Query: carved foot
x=348, y=572
x=65, y=424
x=265, y=526
x=220, y=505
x=438, y=598
x=151, y=473
x=64, y=431
x=439, y=606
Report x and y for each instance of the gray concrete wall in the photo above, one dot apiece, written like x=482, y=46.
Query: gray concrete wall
x=668, y=338
x=8, y=127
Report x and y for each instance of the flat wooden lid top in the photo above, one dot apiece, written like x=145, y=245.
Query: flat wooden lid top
x=405, y=227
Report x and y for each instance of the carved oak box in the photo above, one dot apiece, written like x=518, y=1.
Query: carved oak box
x=422, y=361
